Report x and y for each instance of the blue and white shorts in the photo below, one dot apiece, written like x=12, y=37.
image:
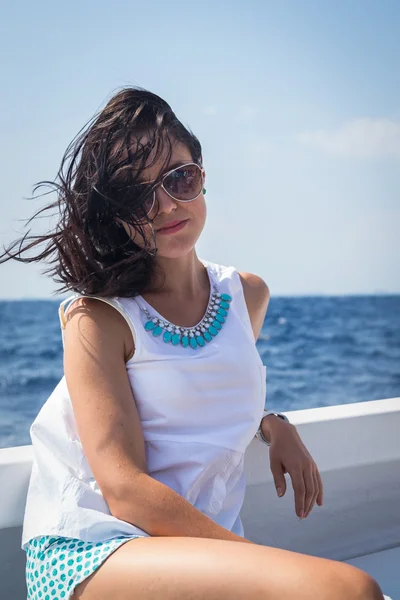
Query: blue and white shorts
x=56, y=565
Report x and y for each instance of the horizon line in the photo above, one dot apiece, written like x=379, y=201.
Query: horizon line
x=294, y=295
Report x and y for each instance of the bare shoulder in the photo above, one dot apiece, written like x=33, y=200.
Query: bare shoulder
x=98, y=321
x=257, y=295
x=255, y=289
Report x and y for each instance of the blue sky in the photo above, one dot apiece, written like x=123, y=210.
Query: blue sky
x=297, y=106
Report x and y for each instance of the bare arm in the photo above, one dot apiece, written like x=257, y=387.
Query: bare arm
x=95, y=349
x=160, y=511
x=257, y=296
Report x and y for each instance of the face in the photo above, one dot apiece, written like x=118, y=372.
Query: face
x=172, y=242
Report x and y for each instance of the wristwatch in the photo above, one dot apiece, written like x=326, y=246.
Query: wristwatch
x=259, y=434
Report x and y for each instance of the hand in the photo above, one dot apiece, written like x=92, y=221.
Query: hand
x=288, y=454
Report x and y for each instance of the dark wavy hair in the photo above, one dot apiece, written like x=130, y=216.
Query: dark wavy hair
x=89, y=250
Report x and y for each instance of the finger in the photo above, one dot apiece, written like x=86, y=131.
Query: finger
x=316, y=490
x=279, y=477
x=310, y=488
x=299, y=488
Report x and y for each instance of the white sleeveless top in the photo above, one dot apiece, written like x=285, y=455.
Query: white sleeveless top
x=199, y=411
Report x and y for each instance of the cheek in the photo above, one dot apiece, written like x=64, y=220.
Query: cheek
x=136, y=237
x=199, y=211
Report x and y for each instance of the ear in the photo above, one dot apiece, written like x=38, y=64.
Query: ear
x=129, y=230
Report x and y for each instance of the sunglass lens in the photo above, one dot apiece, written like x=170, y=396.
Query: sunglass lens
x=184, y=183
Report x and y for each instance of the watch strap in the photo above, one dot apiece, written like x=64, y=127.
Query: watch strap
x=259, y=434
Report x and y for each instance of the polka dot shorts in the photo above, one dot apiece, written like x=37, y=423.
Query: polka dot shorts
x=55, y=565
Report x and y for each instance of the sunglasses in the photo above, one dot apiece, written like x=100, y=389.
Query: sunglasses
x=183, y=183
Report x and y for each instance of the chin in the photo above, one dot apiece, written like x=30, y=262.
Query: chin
x=175, y=252
x=175, y=248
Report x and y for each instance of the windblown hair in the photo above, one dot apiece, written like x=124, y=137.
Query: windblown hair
x=97, y=183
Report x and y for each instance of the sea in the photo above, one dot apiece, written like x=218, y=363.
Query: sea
x=319, y=351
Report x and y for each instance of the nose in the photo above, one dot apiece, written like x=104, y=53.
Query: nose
x=166, y=204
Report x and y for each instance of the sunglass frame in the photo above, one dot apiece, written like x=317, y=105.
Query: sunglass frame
x=161, y=183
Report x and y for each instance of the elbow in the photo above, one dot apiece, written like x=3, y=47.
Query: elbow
x=124, y=495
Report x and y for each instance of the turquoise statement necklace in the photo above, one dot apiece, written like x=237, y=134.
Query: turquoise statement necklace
x=193, y=337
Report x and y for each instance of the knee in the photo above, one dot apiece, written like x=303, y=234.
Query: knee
x=372, y=590
x=362, y=586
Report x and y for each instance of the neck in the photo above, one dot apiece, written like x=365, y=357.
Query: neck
x=184, y=277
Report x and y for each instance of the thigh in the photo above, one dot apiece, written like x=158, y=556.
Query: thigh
x=187, y=568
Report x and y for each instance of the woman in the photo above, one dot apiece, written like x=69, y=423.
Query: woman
x=138, y=480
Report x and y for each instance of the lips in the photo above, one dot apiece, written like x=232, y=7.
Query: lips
x=171, y=224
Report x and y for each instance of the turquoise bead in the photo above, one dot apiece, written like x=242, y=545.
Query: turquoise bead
x=176, y=338
x=226, y=297
x=207, y=336
x=222, y=312
x=157, y=331
x=185, y=341
x=149, y=325
x=219, y=318
x=200, y=341
x=223, y=304
x=167, y=336
x=193, y=342
x=212, y=330
x=217, y=325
